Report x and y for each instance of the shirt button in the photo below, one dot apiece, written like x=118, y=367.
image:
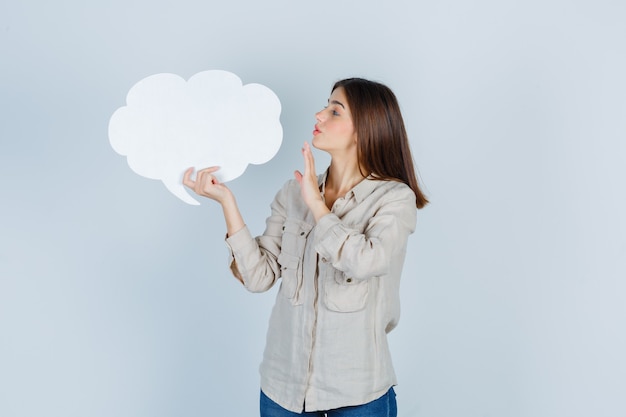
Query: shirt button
x=324, y=260
x=349, y=280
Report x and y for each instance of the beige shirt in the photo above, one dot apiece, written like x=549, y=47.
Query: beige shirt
x=339, y=295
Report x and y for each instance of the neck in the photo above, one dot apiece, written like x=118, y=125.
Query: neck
x=342, y=177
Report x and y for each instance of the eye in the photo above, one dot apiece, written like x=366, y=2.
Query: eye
x=335, y=113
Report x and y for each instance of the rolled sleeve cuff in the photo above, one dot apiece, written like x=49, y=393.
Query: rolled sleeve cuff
x=239, y=240
x=329, y=236
x=237, y=245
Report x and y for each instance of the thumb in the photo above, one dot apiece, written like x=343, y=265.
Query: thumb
x=298, y=176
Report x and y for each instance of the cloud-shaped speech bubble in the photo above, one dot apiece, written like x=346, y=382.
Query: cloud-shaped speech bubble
x=169, y=125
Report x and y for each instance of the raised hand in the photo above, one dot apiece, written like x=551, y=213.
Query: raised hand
x=308, y=184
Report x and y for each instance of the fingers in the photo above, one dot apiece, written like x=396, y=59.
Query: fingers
x=206, y=185
x=203, y=177
x=187, y=178
x=209, y=170
x=309, y=162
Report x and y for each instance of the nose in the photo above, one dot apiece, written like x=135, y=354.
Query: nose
x=318, y=115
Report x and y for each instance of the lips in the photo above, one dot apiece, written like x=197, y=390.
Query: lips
x=316, y=131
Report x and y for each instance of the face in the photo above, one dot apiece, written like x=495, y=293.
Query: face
x=334, y=131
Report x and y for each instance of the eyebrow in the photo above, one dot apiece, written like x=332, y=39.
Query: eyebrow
x=337, y=102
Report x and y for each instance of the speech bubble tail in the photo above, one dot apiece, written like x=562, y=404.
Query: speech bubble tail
x=179, y=191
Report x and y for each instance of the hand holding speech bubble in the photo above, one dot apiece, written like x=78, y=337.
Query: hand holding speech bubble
x=169, y=125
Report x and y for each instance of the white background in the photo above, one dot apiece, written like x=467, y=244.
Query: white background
x=115, y=298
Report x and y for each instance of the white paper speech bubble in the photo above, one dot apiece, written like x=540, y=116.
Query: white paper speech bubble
x=169, y=125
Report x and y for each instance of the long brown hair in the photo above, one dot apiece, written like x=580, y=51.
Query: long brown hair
x=382, y=143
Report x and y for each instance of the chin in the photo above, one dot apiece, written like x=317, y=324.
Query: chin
x=319, y=143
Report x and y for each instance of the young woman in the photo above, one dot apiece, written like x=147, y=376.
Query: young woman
x=337, y=241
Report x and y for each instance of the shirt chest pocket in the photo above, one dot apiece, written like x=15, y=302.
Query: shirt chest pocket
x=344, y=294
x=291, y=255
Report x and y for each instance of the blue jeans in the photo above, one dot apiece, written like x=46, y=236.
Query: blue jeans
x=385, y=406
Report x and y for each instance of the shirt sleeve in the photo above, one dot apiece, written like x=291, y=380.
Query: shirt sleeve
x=363, y=255
x=254, y=261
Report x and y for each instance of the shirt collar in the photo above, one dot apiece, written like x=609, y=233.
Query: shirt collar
x=359, y=191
